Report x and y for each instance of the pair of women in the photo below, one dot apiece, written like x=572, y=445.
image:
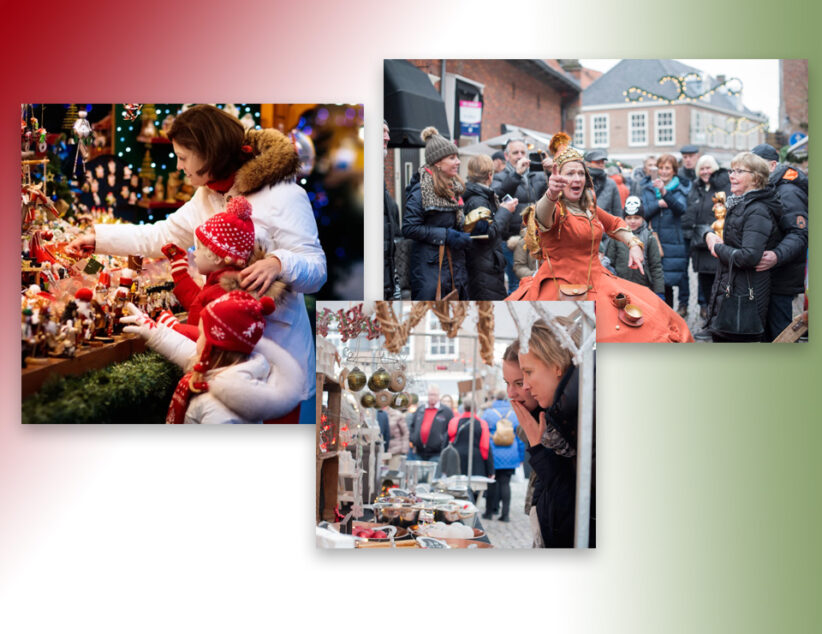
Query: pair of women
x=543, y=388
x=223, y=160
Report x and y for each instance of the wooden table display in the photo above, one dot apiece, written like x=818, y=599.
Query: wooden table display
x=38, y=369
x=328, y=461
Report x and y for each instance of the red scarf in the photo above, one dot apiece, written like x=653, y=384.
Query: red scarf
x=222, y=186
x=180, y=400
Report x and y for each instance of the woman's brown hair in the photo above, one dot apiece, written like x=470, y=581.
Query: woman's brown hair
x=216, y=136
x=670, y=159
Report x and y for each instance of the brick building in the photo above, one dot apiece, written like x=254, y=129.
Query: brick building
x=661, y=120
x=534, y=94
x=793, y=107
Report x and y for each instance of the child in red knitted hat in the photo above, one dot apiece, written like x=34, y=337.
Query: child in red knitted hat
x=229, y=329
x=225, y=242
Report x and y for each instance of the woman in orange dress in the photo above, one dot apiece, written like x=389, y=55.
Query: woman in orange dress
x=564, y=233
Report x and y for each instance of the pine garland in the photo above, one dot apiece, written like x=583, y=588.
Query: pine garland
x=135, y=391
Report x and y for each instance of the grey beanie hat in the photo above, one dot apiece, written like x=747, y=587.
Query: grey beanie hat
x=437, y=147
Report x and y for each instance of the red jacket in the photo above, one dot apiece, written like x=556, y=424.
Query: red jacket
x=194, y=299
x=485, y=434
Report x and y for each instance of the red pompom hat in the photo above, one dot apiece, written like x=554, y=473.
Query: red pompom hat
x=235, y=321
x=230, y=234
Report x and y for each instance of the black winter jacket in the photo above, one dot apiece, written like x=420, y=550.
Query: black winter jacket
x=390, y=229
x=527, y=189
x=749, y=231
x=607, y=192
x=788, y=276
x=428, y=229
x=484, y=260
x=699, y=215
x=479, y=466
x=437, y=437
x=654, y=277
x=555, y=485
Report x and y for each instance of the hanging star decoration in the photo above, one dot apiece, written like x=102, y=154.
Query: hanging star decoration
x=131, y=111
x=733, y=86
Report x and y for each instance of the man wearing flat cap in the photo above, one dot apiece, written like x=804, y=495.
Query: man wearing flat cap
x=498, y=158
x=787, y=259
x=690, y=155
x=605, y=188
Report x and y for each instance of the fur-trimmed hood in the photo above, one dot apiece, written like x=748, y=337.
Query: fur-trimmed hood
x=275, y=161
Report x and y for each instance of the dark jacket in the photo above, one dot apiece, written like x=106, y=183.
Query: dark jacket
x=385, y=429
x=607, y=192
x=555, y=485
x=461, y=443
x=749, y=231
x=428, y=229
x=390, y=231
x=484, y=260
x=437, y=437
x=788, y=276
x=699, y=216
x=527, y=188
x=688, y=177
x=668, y=226
x=654, y=277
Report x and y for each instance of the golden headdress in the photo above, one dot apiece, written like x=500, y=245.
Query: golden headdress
x=562, y=149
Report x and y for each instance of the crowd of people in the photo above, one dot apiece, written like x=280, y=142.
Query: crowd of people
x=500, y=234
x=532, y=423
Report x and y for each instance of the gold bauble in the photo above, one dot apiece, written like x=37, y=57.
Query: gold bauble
x=368, y=400
x=379, y=380
x=356, y=380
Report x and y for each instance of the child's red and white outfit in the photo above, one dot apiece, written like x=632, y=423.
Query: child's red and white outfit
x=232, y=322
x=282, y=213
x=229, y=235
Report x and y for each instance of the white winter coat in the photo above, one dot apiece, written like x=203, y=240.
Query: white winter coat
x=282, y=212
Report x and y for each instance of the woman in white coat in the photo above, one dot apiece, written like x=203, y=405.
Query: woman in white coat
x=223, y=160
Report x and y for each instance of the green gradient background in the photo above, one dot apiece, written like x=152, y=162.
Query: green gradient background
x=718, y=466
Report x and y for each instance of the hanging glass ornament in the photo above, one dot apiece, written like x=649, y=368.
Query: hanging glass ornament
x=356, y=380
x=368, y=400
x=379, y=380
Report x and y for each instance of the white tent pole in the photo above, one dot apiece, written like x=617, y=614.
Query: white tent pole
x=585, y=436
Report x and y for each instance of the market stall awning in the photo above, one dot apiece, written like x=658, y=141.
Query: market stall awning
x=410, y=104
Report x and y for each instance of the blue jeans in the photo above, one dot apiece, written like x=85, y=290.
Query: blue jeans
x=780, y=315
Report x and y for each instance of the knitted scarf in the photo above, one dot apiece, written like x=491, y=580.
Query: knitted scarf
x=180, y=399
x=431, y=200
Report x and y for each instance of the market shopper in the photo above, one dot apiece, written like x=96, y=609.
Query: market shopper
x=565, y=233
x=397, y=437
x=429, y=427
x=489, y=218
x=617, y=252
x=552, y=379
x=605, y=188
x=786, y=261
x=508, y=451
x=230, y=328
x=459, y=435
x=224, y=160
x=434, y=220
x=750, y=230
x=711, y=179
x=665, y=200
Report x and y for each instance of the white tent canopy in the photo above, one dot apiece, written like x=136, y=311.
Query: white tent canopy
x=539, y=141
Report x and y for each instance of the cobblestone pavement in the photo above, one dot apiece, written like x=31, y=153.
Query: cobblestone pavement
x=517, y=532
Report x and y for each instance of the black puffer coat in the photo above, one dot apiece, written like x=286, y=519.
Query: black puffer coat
x=555, y=484
x=428, y=228
x=699, y=215
x=788, y=276
x=749, y=231
x=527, y=188
x=484, y=260
x=390, y=229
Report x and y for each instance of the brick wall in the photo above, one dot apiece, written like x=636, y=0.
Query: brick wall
x=794, y=94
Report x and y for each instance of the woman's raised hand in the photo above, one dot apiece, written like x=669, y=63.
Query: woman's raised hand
x=533, y=430
x=556, y=183
x=83, y=245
